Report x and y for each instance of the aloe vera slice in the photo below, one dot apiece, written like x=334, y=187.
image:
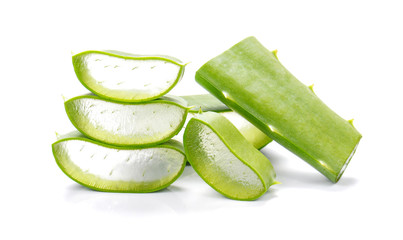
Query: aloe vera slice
x=207, y=102
x=117, y=123
x=224, y=159
x=250, y=80
x=127, y=77
x=110, y=168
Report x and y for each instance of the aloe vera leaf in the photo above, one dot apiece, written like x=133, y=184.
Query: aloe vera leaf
x=207, y=102
x=117, y=123
x=109, y=168
x=127, y=77
x=250, y=80
x=224, y=159
x=253, y=134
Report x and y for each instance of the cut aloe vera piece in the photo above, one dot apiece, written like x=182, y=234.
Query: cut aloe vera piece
x=225, y=159
x=119, y=169
x=141, y=124
x=248, y=130
x=207, y=102
x=126, y=77
x=250, y=80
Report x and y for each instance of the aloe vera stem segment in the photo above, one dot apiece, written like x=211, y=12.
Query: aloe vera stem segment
x=250, y=80
x=224, y=159
x=111, y=168
x=127, y=77
x=142, y=124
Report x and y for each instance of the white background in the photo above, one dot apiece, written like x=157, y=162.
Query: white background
x=351, y=50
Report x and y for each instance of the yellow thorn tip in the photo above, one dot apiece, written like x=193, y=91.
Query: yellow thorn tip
x=275, y=53
x=311, y=88
x=351, y=121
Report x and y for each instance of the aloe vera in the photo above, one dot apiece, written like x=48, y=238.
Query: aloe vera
x=250, y=80
x=108, y=168
x=224, y=159
x=207, y=102
x=117, y=123
x=127, y=77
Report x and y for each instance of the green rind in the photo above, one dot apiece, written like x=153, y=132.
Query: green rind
x=78, y=69
x=237, y=145
x=250, y=80
x=172, y=144
x=165, y=99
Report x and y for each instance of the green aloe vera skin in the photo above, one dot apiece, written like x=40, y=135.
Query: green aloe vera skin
x=224, y=159
x=250, y=80
x=108, y=168
x=127, y=77
x=127, y=124
x=207, y=102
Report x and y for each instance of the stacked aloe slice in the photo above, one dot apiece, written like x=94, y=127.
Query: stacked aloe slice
x=125, y=126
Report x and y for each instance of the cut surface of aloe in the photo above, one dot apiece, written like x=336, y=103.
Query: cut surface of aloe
x=117, y=123
x=250, y=80
x=119, y=169
x=127, y=77
x=224, y=159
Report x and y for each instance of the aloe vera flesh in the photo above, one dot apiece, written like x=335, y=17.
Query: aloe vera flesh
x=111, y=168
x=126, y=77
x=224, y=159
x=250, y=80
x=117, y=123
x=207, y=102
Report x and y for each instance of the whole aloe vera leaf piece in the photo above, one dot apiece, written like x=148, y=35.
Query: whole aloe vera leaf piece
x=250, y=80
x=118, y=123
x=127, y=77
x=207, y=102
x=111, y=168
x=224, y=159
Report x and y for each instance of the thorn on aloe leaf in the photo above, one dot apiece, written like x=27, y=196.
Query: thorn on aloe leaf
x=190, y=107
x=200, y=111
x=351, y=121
x=275, y=53
x=311, y=88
